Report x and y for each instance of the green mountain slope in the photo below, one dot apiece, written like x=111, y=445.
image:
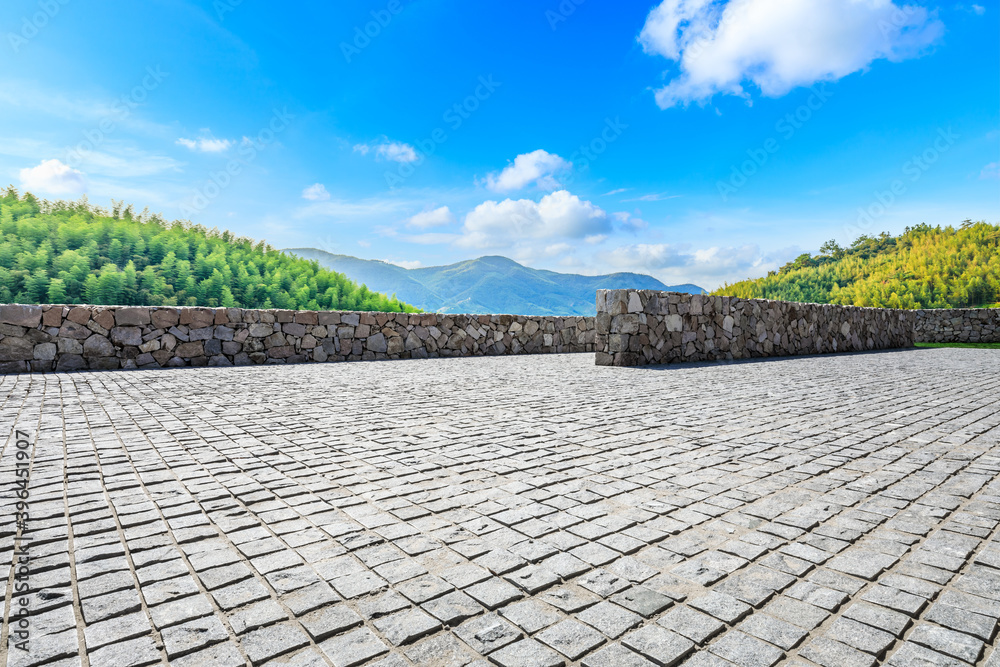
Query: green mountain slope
x=66, y=252
x=925, y=267
x=486, y=285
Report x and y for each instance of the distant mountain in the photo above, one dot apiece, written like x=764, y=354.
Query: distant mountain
x=485, y=285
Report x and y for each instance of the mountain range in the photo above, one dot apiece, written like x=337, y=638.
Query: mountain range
x=489, y=284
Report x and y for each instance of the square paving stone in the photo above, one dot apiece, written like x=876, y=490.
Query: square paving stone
x=304, y=600
x=610, y=619
x=407, y=626
x=862, y=563
x=910, y=654
x=452, y=608
x=896, y=599
x=263, y=644
x=353, y=648
x=772, y=630
x=180, y=611
x=860, y=636
x=956, y=644
x=532, y=578
x=962, y=620
x=116, y=629
x=424, y=588
x=494, y=593
x=829, y=653
x=220, y=655
x=531, y=615
x=328, y=621
x=527, y=653
x=723, y=607
x=358, y=584
x=131, y=653
x=642, y=601
x=488, y=633
x=443, y=650
x=616, y=655
x=878, y=617
x=746, y=651
x=188, y=637
x=694, y=625
x=659, y=644
x=257, y=615
x=569, y=598
x=240, y=593
x=571, y=638
x=796, y=612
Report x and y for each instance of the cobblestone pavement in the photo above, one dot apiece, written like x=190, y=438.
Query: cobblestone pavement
x=518, y=511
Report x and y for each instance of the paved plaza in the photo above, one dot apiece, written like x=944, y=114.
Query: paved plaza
x=526, y=511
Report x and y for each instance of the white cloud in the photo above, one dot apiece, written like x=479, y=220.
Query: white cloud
x=316, y=192
x=657, y=196
x=630, y=223
x=558, y=215
x=53, y=177
x=778, y=45
x=396, y=151
x=206, y=144
x=538, y=166
x=990, y=172
x=434, y=218
x=616, y=191
x=978, y=10
x=707, y=267
x=362, y=148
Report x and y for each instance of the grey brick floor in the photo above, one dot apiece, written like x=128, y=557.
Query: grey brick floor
x=520, y=511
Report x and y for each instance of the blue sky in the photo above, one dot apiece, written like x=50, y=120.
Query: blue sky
x=698, y=141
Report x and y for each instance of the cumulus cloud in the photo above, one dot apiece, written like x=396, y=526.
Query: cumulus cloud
x=559, y=214
x=206, y=144
x=538, y=167
x=990, y=172
x=362, y=148
x=708, y=267
x=434, y=218
x=53, y=177
x=316, y=192
x=630, y=223
x=778, y=45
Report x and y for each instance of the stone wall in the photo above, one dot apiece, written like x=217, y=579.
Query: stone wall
x=958, y=325
x=65, y=338
x=646, y=327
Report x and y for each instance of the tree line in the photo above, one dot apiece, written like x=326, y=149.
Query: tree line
x=924, y=267
x=72, y=252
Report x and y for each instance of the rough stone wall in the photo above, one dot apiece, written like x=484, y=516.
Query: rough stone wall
x=66, y=338
x=647, y=327
x=958, y=325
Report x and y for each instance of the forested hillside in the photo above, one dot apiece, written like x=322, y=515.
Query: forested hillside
x=925, y=267
x=70, y=252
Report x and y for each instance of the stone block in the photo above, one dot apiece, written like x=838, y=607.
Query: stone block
x=20, y=315
x=126, y=335
x=190, y=350
x=98, y=346
x=132, y=317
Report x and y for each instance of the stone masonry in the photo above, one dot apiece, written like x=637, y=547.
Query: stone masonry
x=958, y=325
x=70, y=338
x=647, y=327
x=515, y=511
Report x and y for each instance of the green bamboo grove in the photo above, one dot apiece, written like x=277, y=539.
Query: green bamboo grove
x=72, y=252
x=925, y=267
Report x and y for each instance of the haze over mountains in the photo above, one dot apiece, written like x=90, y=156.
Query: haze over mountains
x=485, y=285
